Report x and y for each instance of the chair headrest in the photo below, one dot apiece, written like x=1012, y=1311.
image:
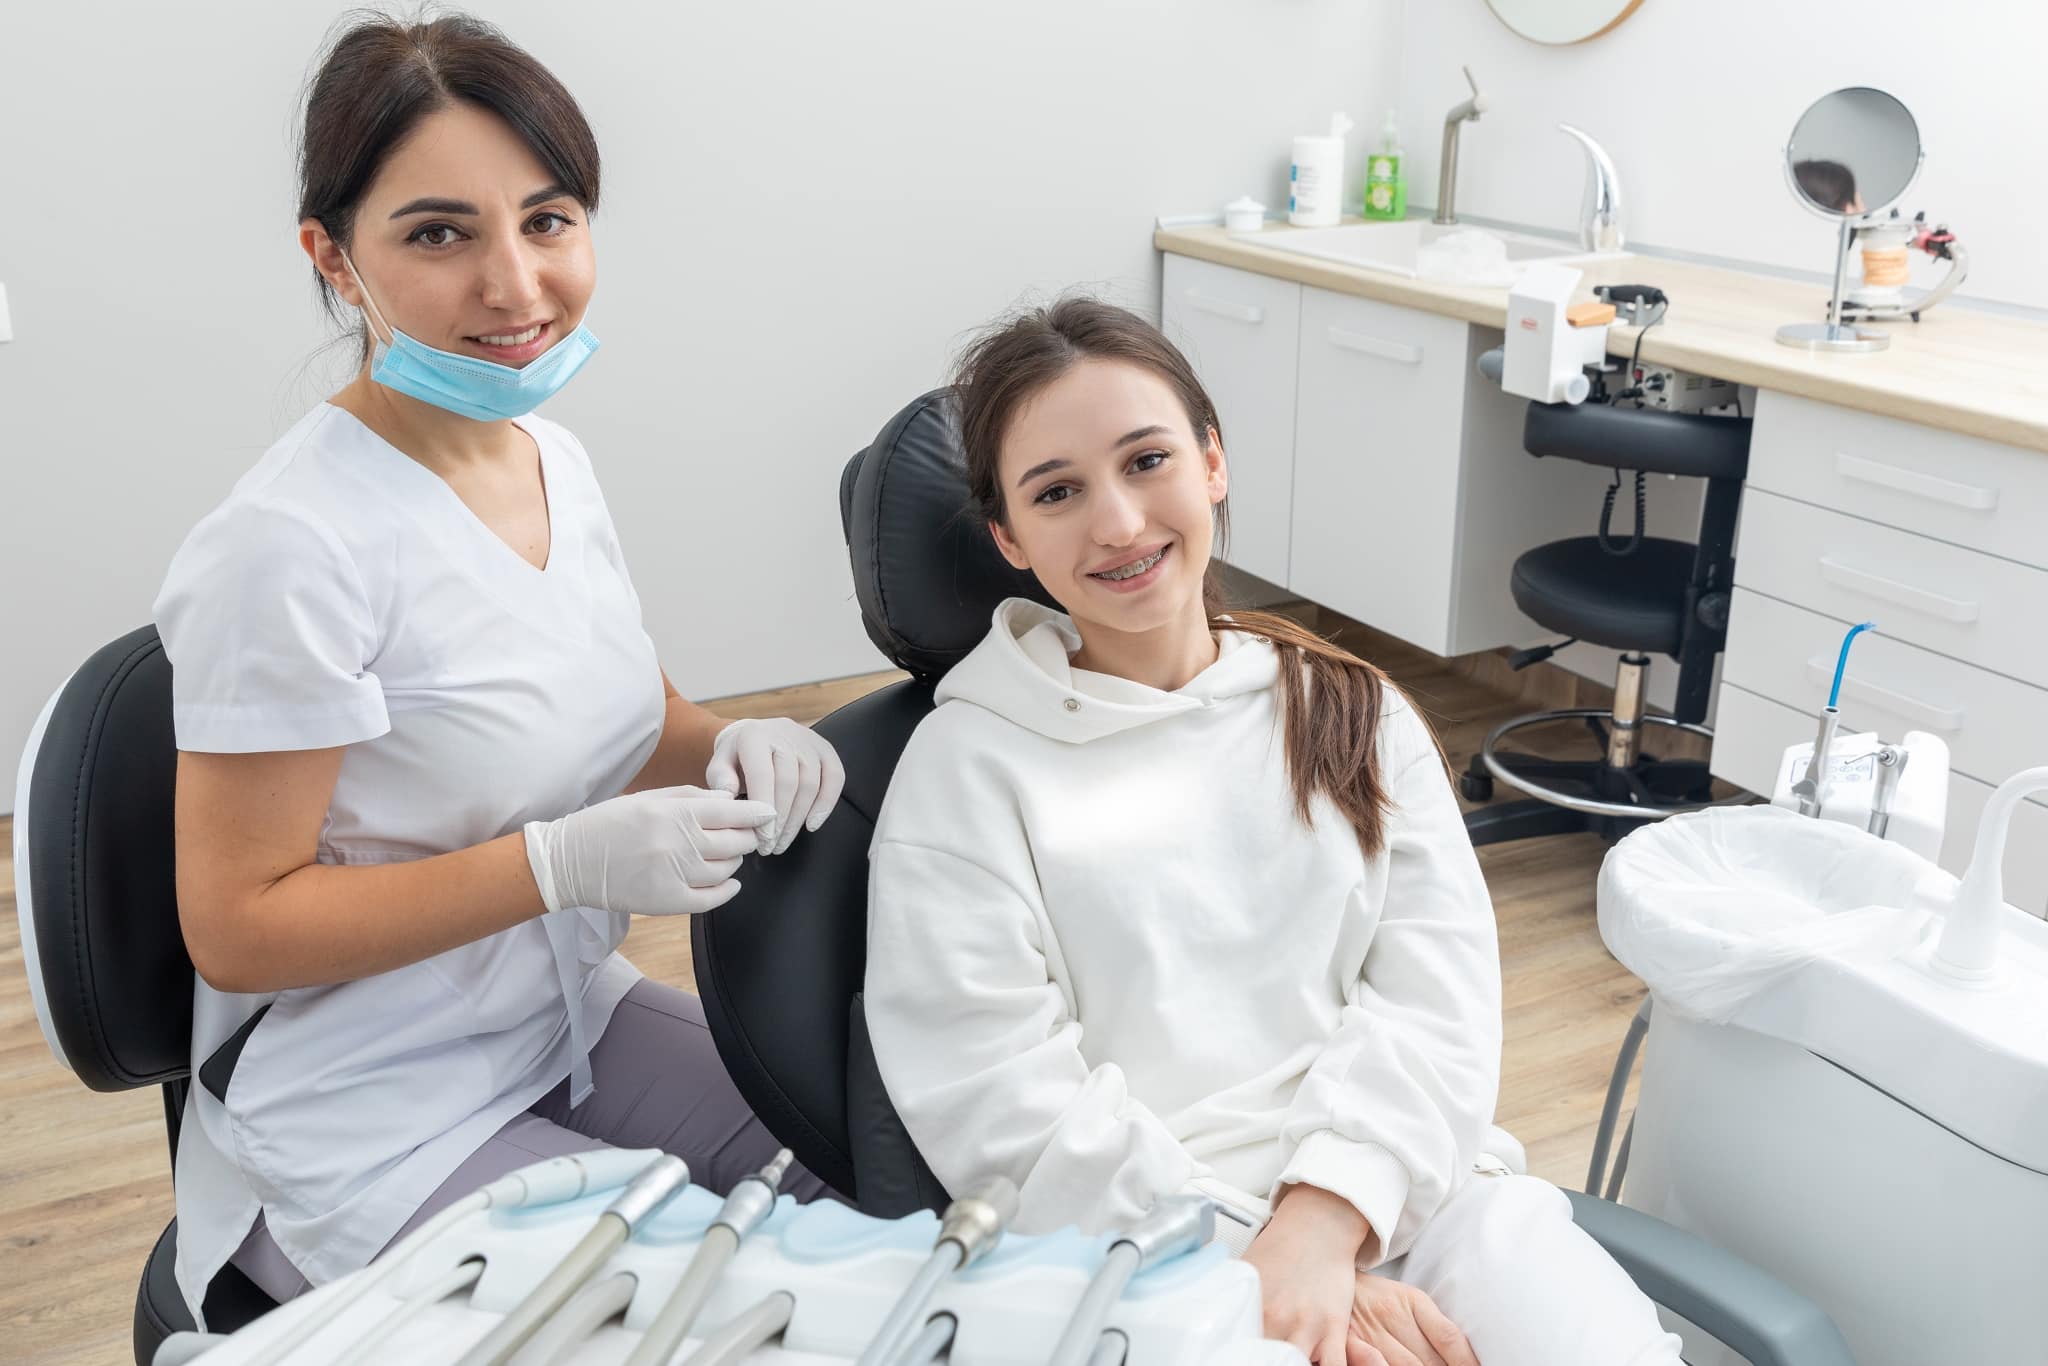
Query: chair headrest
x=925, y=572
x=99, y=896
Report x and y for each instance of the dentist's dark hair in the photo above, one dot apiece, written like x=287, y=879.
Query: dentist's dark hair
x=381, y=76
x=1331, y=704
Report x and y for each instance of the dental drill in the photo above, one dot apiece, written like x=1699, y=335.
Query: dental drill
x=1177, y=1224
x=553, y=1182
x=751, y=1201
x=660, y=1182
x=970, y=1226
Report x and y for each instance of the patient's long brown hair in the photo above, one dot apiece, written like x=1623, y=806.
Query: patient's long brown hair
x=1331, y=707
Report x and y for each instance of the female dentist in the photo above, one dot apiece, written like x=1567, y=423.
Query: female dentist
x=429, y=765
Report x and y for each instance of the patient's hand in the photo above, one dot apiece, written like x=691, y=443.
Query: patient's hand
x=1306, y=1256
x=1397, y=1325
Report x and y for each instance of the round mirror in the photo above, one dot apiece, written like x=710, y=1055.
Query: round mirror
x=1562, y=21
x=1853, y=152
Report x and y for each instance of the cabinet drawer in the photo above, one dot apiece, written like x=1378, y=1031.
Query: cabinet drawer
x=1241, y=332
x=1955, y=488
x=1994, y=727
x=1751, y=732
x=1376, y=455
x=1976, y=608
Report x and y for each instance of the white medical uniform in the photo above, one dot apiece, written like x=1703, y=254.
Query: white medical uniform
x=344, y=595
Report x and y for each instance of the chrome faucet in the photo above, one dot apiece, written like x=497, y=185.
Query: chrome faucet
x=1600, y=210
x=1447, y=166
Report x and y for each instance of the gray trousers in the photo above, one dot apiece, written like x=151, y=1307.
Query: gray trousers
x=660, y=1084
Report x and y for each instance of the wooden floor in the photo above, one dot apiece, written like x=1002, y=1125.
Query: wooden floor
x=85, y=1181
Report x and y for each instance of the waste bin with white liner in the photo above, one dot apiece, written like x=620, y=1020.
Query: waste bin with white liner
x=1846, y=1074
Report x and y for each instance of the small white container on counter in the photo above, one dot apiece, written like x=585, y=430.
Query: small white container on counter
x=1315, y=184
x=1244, y=214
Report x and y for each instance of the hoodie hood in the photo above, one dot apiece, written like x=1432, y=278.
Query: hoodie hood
x=1023, y=671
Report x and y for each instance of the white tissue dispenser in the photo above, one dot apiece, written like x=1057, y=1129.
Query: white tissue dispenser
x=1546, y=357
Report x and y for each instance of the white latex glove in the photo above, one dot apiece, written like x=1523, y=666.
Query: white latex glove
x=668, y=851
x=781, y=762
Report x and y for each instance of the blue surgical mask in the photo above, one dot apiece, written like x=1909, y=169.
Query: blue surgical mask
x=472, y=387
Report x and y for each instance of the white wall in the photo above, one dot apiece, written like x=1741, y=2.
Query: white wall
x=1695, y=101
x=806, y=207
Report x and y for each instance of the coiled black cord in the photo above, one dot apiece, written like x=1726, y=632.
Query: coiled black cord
x=1607, y=515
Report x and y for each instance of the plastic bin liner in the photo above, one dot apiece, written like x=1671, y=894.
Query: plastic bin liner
x=1711, y=907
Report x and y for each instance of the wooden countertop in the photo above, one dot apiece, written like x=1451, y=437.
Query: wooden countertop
x=1958, y=369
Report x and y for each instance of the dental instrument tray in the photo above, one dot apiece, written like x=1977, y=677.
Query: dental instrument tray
x=841, y=1271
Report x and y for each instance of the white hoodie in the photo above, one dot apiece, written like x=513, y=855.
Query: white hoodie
x=1107, y=960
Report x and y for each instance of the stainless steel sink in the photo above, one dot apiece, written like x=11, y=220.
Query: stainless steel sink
x=1397, y=247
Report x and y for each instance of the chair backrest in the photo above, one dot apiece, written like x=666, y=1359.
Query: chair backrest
x=96, y=881
x=779, y=966
x=1693, y=445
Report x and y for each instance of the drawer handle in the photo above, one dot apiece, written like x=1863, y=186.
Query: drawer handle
x=1244, y=313
x=1969, y=497
x=1891, y=590
x=1373, y=346
x=1821, y=669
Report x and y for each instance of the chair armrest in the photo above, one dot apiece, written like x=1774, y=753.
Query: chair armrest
x=1744, y=1306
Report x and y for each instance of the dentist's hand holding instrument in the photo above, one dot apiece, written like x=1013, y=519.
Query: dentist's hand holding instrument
x=672, y=850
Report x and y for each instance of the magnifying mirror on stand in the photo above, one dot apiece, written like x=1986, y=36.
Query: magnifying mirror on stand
x=1852, y=154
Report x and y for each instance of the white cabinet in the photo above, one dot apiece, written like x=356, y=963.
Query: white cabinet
x=1974, y=607
x=1240, y=332
x=1955, y=488
x=1376, y=448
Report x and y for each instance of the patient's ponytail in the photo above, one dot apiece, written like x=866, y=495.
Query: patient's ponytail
x=1330, y=704
x=1331, y=700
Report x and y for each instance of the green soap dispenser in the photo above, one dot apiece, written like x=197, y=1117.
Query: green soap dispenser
x=1386, y=185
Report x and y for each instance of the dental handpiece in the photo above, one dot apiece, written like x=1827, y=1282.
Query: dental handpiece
x=1812, y=790
x=1177, y=1224
x=645, y=1195
x=553, y=1182
x=970, y=1226
x=751, y=1201
x=1891, y=766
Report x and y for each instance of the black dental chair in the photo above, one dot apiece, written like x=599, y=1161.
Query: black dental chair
x=97, y=894
x=1641, y=595
x=779, y=968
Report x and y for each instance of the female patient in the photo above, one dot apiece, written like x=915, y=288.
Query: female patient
x=1167, y=901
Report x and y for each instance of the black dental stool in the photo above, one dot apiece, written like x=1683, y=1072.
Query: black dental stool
x=1637, y=594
